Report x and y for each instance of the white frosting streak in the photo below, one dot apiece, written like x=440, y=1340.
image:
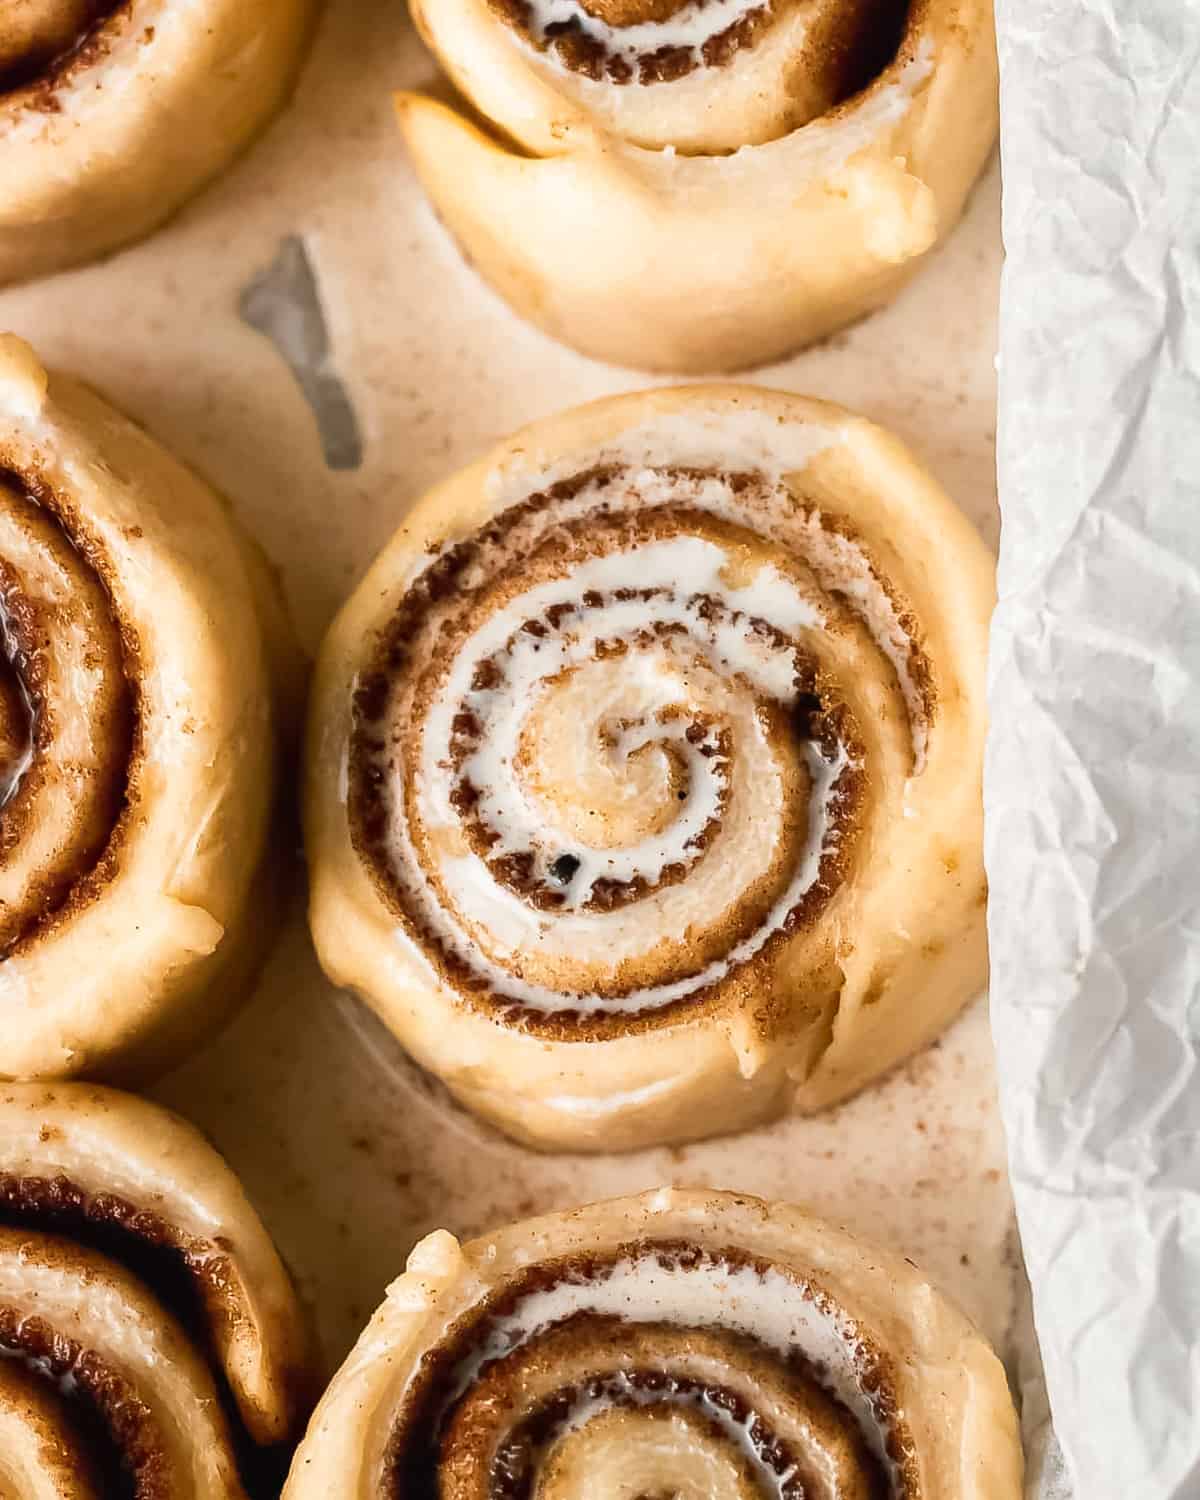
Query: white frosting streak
x=724, y=659
x=740, y=1431
x=690, y=27
x=842, y=565
x=657, y=679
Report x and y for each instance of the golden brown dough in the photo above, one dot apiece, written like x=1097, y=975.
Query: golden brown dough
x=643, y=789
x=114, y=112
x=698, y=1345
x=137, y=739
x=703, y=186
x=147, y=1323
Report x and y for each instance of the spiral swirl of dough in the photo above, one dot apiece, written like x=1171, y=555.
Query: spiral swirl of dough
x=672, y=742
x=150, y=1340
x=67, y=710
x=697, y=185
x=137, y=743
x=704, y=1346
x=652, y=711
x=698, y=76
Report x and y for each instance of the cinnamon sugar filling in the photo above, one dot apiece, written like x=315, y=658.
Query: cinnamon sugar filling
x=547, y=877
x=42, y=41
x=546, y=1376
x=69, y=738
x=599, y=55
x=192, y=1278
x=188, y=1276
x=651, y=42
x=118, y=1445
x=16, y=711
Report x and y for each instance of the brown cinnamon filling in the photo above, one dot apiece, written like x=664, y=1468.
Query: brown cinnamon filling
x=854, y=47
x=65, y=781
x=40, y=40
x=515, y=1466
x=186, y=1276
x=493, y=1406
x=115, y=1431
x=546, y=885
x=16, y=716
x=587, y=54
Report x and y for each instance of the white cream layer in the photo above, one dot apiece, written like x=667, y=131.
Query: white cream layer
x=689, y=28
x=723, y=669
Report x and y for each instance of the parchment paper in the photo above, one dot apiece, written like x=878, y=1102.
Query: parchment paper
x=1094, y=764
x=349, y=1155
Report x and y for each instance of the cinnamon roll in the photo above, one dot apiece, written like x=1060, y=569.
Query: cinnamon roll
x=150, y=1339
x=702, y=184
x=697, y=1345
x=643, y=791
x=137, y=738
x=114, y=112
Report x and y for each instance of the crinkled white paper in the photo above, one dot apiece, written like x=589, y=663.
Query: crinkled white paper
x=1093, y=783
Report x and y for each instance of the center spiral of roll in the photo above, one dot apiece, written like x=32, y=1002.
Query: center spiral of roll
x=67, y=713
x=35, y=34
x=661, y=1370
x=614, y=746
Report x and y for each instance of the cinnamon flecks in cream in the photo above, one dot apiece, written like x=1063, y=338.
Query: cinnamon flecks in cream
x=37, y=36
x=642, y=43
x=662, y=41
x=661, y=1362
x=67, y=713
x=611, y=750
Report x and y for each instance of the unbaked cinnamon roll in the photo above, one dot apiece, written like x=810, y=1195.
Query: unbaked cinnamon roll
x=114, y=112
x=151, y=1343
x=643, y=793
x=702, y=184
x=697, y=1345
x=137, y=738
